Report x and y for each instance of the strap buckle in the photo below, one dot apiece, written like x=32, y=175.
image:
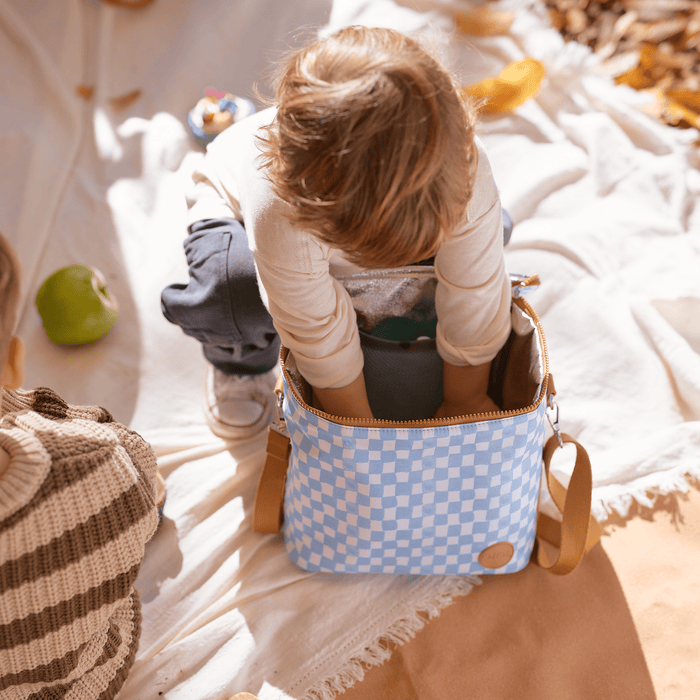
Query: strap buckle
x=281, y=425
x=552, y=414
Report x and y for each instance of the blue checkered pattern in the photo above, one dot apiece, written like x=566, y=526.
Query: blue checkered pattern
x=414, y=500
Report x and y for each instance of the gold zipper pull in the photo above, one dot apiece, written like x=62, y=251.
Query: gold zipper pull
x=522, y=284
x=552, y=411
x=281, y=426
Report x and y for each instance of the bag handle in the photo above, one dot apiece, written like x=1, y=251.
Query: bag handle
x=579, y=530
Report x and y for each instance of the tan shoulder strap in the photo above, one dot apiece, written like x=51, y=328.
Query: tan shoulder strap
x=268, y=511
x=579, y=530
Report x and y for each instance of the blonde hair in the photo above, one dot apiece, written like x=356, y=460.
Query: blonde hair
x=372, y=146
x=10, y=272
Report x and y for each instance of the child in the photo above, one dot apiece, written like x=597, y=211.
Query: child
x=368, y=160
x=77, y=506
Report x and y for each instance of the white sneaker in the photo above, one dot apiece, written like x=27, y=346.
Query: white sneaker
x=239, y=406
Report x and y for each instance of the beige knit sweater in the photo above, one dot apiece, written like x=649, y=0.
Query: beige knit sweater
x=77, y=506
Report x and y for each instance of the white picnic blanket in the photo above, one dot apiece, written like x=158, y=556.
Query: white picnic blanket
x=605, y=208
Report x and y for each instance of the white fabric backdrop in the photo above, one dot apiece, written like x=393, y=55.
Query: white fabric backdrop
x=605, y=206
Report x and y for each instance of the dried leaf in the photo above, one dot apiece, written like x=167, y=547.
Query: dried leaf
x=605, y=30
x=124, y=101
x=657, y=32
x=483, y=21
x=133, y=4
x=623, y=23
x=693, y=27
x=668, y=108
x=668, y=57
x=515, y=85
x=85, y=91
x=687, y=98
x=651, y=45
x=678, y=112
x=638, y=78
x=654, y=65
x=658, y=10
x=558, y=18
x=619, y=63
x=576, y=20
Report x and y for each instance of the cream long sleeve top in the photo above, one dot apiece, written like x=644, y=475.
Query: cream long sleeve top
x=310, y=309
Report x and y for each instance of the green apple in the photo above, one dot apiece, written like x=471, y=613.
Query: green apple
x=75, y=305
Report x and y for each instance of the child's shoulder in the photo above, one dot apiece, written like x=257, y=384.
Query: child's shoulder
x=485, y=193
x=484, y=164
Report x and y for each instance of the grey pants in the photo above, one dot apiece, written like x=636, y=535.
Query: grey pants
x=221, y=307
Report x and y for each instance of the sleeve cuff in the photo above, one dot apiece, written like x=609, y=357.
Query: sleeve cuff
x=473, y=355
x=333, y=371
x=210, y=208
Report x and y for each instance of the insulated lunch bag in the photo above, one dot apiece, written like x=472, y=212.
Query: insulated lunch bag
x=408, y=494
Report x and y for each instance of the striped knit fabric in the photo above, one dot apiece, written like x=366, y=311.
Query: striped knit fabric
x=77, y=506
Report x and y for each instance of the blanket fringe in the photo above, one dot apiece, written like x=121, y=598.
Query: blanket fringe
x=400, y=631
x=616, y=501
x=609, y=502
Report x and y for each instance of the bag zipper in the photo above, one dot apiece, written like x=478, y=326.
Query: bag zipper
x=437, y=422
x=523, y=284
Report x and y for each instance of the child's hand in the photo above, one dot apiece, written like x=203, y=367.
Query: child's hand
x=465, y=391
x=349, y=401
x=482, y=404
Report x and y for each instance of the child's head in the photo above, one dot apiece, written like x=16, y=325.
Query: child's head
x=373, y=146
x=11, y=347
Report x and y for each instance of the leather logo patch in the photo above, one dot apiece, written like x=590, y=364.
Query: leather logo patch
x=497, y=555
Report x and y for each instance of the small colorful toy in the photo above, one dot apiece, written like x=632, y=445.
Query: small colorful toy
x=216, y=112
